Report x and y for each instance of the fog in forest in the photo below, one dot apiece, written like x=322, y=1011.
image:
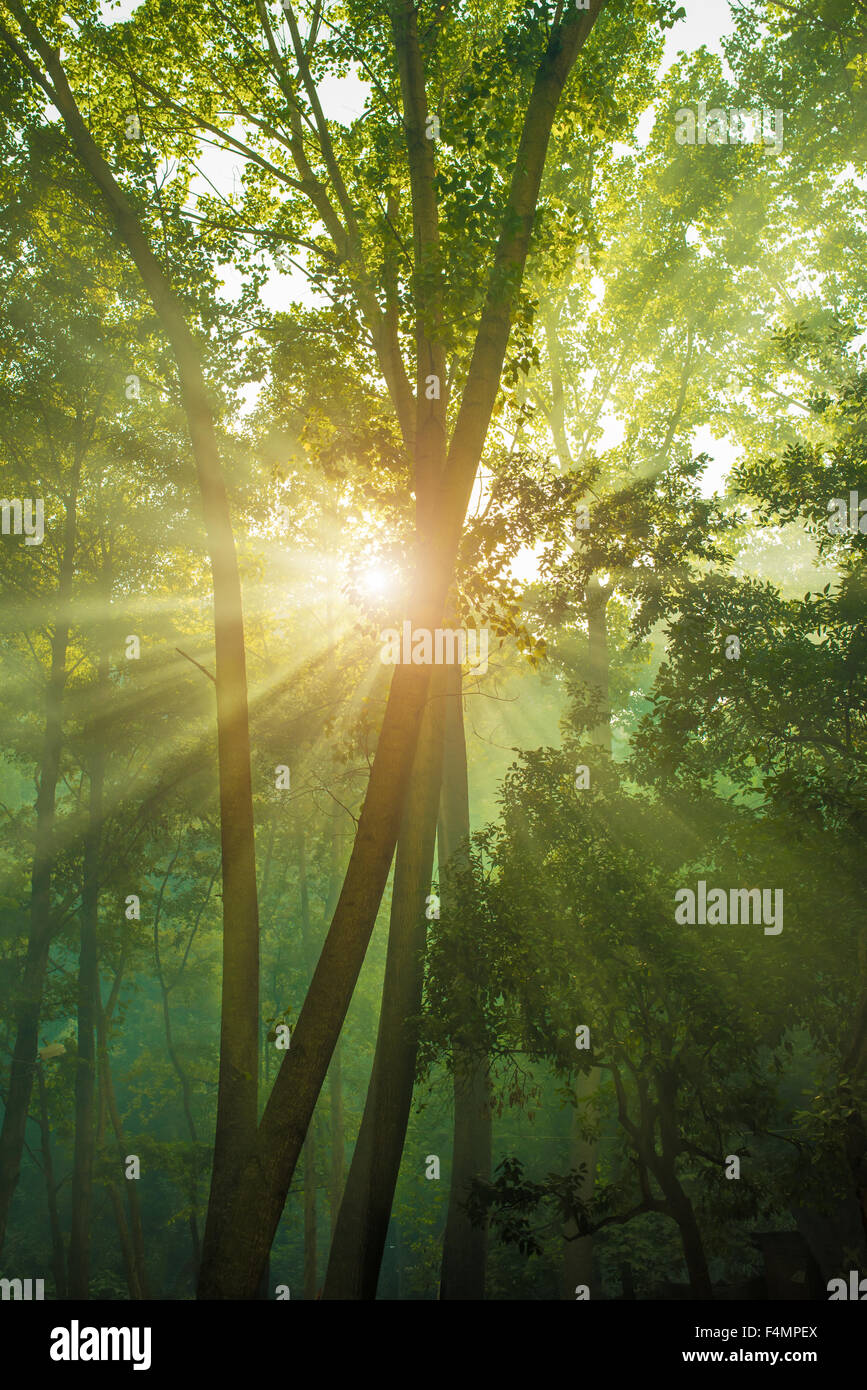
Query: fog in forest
x=433, y=667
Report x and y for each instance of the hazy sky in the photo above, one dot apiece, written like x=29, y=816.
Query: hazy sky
x=705, y=21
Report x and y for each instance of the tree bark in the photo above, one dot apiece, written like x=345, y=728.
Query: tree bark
x=362, y=1225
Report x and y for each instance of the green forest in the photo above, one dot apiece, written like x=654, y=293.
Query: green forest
x=433, y=656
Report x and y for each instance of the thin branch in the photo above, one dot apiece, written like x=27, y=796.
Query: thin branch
x=203, y=669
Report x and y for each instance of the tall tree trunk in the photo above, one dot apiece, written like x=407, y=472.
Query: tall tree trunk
x=127, y=1254
x=88, y=996
x=335, y=1071
x=103, y=1020
x=465, y=1247
x=57, y=1254
x=29, y=1001
x=110, y=1183
x=578, y=1251
x=362, y=1225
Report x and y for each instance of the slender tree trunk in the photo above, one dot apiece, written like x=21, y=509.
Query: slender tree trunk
x=136, y=1233
x=187, y=1103
x=127, y=1253
x=465, y=1246
x=237, y=1097
x=174, y=1058
x=57, y=1253
x=29, y=1002
x=126, y=1250
x=362, y=1225
x=88, y=997
x=103, y=1019
x=335, y=1071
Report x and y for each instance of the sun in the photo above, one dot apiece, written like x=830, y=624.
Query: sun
x=376, y=581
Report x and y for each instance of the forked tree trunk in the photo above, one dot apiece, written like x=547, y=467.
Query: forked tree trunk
x=234, y=1267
